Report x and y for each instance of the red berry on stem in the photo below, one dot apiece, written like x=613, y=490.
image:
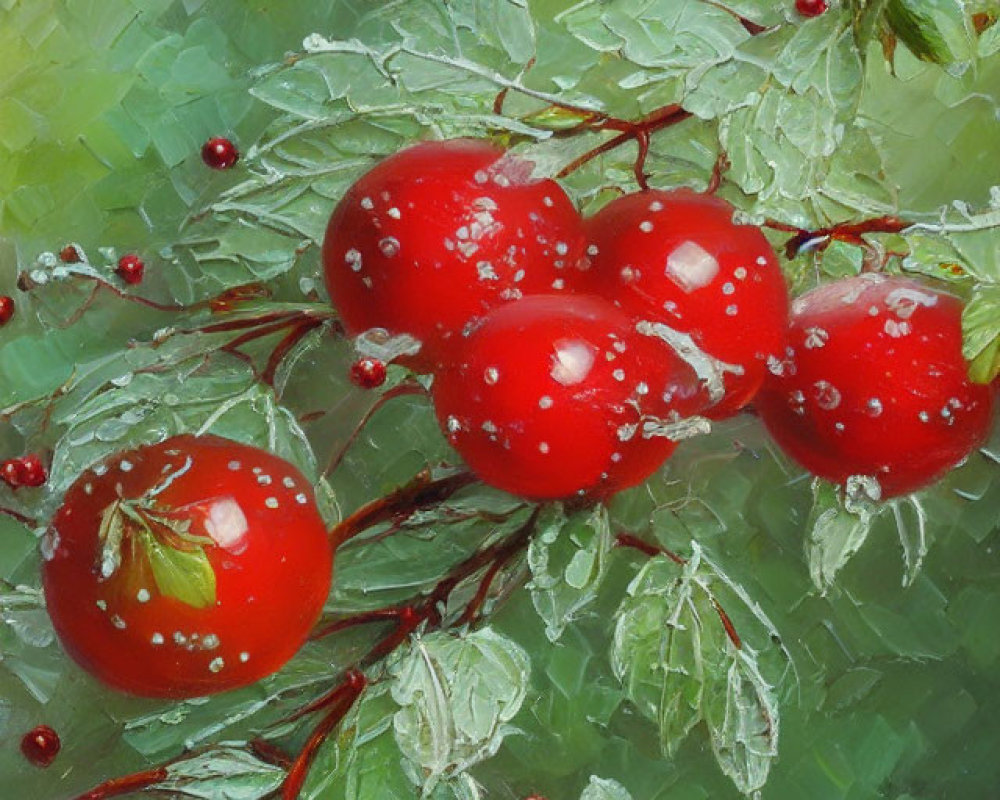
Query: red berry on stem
x=32, y=471
x=10, y=472
x=548, y=397
x=368, y=373
x=186, y=568
x=438, y=234
x=874, y=384
x=677, y=259
x=70, y=255
x=219, y=153
x=130, y=269
x=6, y=308
x=810, y=8
x=41, y=745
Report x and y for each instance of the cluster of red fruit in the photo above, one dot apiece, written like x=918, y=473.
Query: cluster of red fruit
x=24, y=471
x=569, y=355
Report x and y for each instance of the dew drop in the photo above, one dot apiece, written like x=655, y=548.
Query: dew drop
x=827, y=395
x=389, y=246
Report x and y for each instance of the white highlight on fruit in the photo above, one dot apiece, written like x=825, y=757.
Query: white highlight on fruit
x=816, y=338
x=691, y=267
x=227, y=525
x=572, y=361
x=827, y=395
x=904, y=301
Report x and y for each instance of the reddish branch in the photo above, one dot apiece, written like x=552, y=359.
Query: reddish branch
x=639, y=131
x=22, y=518
x=126, y=784
x=849, y=232
x=410, y=387
x=422, y=492
x=652, y=550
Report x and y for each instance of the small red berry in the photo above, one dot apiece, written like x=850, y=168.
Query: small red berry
x=811, y=8
x=130, y=268
x=32, y=471
x=368, y=373
x=6, y=309
x=219, y=153
x=10, y=472
x=70, y=255
x=41, y=745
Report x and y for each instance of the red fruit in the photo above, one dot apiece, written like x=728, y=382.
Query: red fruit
x=438, y=234
x=677, y=258
x=31, y=471
x=70, y=255
x=547, y=398
x=219, y=153
x=6, y=308
x=810, y=8
x=187, y=567
x=10, y=472
x=41, y=745
x=368, y=373
x=130, y=269
x=875, y=384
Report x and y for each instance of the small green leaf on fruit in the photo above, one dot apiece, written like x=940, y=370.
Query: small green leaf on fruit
x=186, y=575
x=110, y=534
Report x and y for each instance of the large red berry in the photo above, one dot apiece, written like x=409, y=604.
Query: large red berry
x=219, y=153
x=441, y=232
x=548, y=398
x=677, y=258
x=6, y=309
x=187, y=567
x=874, y=384
x=130, y=269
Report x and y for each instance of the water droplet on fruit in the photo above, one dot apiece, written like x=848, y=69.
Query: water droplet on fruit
x=874, y=407
x=545, y=402
x=353, y=259
x=827, y=395
x=491, y=376
x=216, y=664
x=646, y=226
x=816, y=338
x=389, y=246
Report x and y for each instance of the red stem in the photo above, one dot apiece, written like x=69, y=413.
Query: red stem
x=284, y=347
x=22, y=518
x=850, y=232
x=126, y=784
x=419, y=493
x=300, y=767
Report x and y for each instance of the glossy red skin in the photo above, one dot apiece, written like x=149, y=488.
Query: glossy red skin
x=738, y=316
x=811, y=8
x=878, y=350
x=505, y=395
x=41, y=745
x=131, y=269
x=219, y=153
x=367, y=373
x=445, y=231
x=271, y=584
x=6, y=309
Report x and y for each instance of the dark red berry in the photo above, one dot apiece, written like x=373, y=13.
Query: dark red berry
x=41, y=745
x=130, y=269
x=70, y=255
x=810, y=8
x=32, y=471
x=10, y=472
x=368, y=373
x=6, y=309
x=219, y=153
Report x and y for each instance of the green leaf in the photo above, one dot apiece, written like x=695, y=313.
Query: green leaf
x=457, y=695
x=742, y=717
x=933, y=30
x=665, y=647
x=568, y=558
x=225, y=773
x=186, y=575
x=836, y=533
x=981, y=324
x=604, y=789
